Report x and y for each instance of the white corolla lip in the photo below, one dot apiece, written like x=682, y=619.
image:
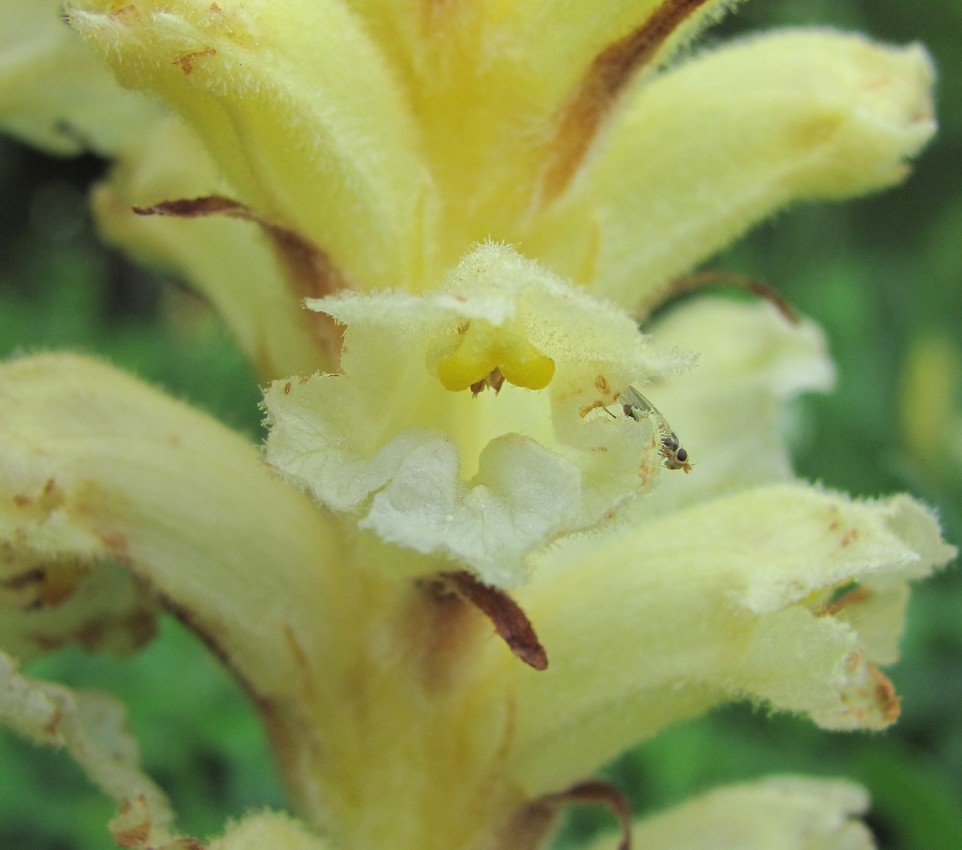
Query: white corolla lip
x=479, y=478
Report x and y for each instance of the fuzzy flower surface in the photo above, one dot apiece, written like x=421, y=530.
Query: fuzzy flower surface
x=462, y=575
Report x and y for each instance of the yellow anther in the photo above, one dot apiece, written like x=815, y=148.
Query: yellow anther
x=484, y=348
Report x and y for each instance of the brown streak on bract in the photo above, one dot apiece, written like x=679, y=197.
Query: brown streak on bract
x=853, y=597
x=596, y=94
x=33, y=575
x=287, y=388
x=186, y=617
x=275, y=720
x=450, y=624
x=187, y=60
x=528, y=828
x=507, y=617
x=196, y=207
x=704, y=279
x=310, y=271
x=21, y=500
x=302, y=662
x=598, y=791
x=591, y=791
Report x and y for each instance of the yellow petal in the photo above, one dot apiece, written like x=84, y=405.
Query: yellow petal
x=708, y=150
x=98, y=469
x=296, y=106
x=732, y=599
x=776, y=813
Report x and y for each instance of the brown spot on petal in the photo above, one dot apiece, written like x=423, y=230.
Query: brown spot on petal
x=594, y=97
x=849, y=537
x=287, y=388
x=601, y=383
x=853, y=662
x=875, y=696
x=584, y=411
x=187, y=61
x=52, y=726
x=451, y=626
x=509, y=621
x=45, y=502
x=135, y=836
x=133, y=828
x=129, y=10
x=888, y=701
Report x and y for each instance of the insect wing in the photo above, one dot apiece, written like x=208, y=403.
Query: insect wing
x=631, y=396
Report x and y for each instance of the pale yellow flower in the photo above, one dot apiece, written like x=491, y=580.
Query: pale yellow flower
x=468, y=198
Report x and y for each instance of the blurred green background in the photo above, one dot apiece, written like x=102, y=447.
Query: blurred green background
x=883, y=275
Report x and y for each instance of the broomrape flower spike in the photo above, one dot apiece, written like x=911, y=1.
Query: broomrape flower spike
x=471, y=200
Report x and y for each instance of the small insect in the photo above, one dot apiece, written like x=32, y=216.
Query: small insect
x=638, y=407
